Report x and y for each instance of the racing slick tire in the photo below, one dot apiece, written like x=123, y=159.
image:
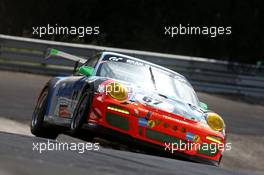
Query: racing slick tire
x=79, y=117
x=37, y=126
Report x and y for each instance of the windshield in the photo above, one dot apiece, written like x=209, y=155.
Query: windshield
x=151, y=78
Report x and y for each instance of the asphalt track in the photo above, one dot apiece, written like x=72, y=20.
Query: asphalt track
x=18, y=92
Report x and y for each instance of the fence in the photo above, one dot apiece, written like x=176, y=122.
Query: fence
x=24, y=54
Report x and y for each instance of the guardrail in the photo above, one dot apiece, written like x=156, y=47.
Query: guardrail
x=25, y=54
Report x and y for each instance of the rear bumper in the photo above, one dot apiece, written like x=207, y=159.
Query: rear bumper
x=150, y=148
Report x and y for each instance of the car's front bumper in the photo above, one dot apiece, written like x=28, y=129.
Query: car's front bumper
x=140, y=123
x=112, y=135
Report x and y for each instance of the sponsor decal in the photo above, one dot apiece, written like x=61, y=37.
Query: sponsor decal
x=196, y=138
x=124, y=60
x=63, y=111
x=142, y=122
x=65, y=107
x=173, y=119
x=148, y=115
x=189, y=136
x=134, y=62
x=113, y=58
x=151, y=123
x=192, y=137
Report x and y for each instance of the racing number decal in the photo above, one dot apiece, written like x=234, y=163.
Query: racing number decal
x=151, y=101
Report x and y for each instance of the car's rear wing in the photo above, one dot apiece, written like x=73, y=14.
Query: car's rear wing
x=54, y=52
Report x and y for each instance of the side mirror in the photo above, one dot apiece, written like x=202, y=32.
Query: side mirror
x=204, y=106
x=86, y=70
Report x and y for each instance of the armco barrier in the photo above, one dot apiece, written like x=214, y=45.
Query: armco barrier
x=25, y=54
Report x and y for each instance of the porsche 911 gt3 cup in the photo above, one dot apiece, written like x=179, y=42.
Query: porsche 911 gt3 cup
x=124, y=97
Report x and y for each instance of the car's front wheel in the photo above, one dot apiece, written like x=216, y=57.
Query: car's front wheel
x=37, y=123
x=79, y=117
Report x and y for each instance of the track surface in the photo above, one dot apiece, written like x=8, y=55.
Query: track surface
x=104, y=161
x=18, y=94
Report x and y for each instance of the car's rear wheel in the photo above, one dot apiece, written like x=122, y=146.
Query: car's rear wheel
x=80, y=115
x=37, y=123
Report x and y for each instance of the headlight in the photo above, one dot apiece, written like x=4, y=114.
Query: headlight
x=116, y=91
x=215, y=121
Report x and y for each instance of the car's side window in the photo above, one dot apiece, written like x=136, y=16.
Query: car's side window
x=92, y=61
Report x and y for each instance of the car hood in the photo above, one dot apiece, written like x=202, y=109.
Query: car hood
x=162, y=102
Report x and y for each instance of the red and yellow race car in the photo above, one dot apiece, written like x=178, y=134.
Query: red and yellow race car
x=124, y=97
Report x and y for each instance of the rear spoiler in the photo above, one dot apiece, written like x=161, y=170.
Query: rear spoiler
x=54, y=52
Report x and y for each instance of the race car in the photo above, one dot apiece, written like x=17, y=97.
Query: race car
x=112, y=94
